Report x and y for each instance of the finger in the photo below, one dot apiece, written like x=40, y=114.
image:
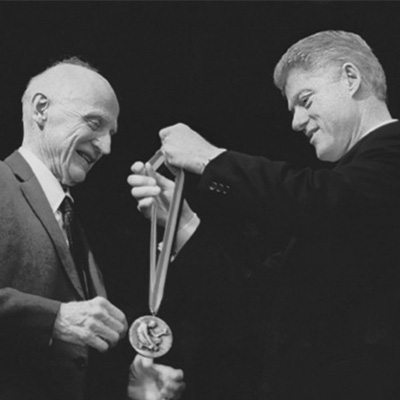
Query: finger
x=141, y=180
x=104, y=314
x=97, y=343
x=160, y=180
x=108, y=330
x=113, y=325
x=108, y=335
x=103, y=304
x=150, y=171
x=142, y=192
x=168, y=373
x=164, y=132
x=137, y=167
x=164, y=183
x=145, y=204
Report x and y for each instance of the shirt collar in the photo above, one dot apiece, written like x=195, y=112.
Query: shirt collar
x=51, y=186
x=389, y=121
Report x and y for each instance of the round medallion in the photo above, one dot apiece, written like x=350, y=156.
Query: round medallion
x=150, y=336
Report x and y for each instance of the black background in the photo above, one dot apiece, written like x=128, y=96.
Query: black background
x=208, y=64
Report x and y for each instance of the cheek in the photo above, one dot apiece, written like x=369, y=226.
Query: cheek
x=326, y=142
x=76, y=138
x=68, y=157
x=332, y=119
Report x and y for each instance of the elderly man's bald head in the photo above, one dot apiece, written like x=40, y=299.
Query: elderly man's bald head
x=70, y=113
x=65, y=80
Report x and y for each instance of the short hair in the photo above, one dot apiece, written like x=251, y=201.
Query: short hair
x=73, y=60
x=333, y=48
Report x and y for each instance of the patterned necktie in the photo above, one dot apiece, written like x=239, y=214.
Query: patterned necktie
x=75, y=242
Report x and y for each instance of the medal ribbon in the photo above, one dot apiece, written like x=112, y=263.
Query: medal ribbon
x=158, y=273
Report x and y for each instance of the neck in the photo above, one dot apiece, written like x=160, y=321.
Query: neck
x=374, y=114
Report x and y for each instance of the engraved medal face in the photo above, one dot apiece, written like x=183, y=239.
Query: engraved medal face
x=150, y=336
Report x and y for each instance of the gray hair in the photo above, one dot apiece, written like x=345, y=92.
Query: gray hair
x=333, y=48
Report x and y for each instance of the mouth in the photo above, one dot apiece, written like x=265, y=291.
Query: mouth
x=89, y=158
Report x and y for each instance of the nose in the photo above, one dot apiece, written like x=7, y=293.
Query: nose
x=300, y=119
x=103, y=143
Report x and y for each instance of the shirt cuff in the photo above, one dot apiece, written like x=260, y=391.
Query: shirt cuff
x=183, y=234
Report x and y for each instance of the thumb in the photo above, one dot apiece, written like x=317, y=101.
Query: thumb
x=163, y=182
x=141, y=363
x=168, y=373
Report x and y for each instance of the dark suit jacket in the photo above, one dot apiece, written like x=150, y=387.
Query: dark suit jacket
x=37, y=273
x=203, y=306
x=328, y=310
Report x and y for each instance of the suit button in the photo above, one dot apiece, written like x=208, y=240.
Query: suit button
x=80, y=363
x=213, y=186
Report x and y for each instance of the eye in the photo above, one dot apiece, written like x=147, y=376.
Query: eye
x=94, y=123
x=306, y=101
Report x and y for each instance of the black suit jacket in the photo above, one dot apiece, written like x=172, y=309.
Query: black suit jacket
x=333, y=295
x=37, y=273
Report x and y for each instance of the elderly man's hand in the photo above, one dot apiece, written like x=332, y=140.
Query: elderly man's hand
x=95, y=323
x=149, y=381
x=149, y=187
x=185, y=148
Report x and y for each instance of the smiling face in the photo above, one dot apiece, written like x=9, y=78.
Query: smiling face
x=324, y=108
x=78, y=125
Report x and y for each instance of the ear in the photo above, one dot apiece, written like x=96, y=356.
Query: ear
x=40, y=104
x=352, y=76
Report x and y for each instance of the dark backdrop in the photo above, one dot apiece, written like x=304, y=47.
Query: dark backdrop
x=208, y=64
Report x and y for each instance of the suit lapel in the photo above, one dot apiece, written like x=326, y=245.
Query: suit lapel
x=36, y=199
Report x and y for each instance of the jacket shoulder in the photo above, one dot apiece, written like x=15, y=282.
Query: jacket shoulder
x=9, y=183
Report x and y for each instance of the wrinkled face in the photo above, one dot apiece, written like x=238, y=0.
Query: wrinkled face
x=324, y=109
x=78, y=131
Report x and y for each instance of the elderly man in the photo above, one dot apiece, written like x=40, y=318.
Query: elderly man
x=53, y=308
x=331, y=316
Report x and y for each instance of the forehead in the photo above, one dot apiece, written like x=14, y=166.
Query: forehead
x=96, y=100
x=93, y=97
x=73, y=83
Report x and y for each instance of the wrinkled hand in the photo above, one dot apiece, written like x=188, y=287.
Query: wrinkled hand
x=96, y=323
x=185, y=148
x=149, y=381
x=149, y=187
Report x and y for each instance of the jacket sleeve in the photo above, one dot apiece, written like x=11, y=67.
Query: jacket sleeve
x=26, y=320
x=297, y=200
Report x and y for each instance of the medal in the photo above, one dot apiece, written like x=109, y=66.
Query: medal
x=149, y=335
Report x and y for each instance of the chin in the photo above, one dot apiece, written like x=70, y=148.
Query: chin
x=76, y=176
